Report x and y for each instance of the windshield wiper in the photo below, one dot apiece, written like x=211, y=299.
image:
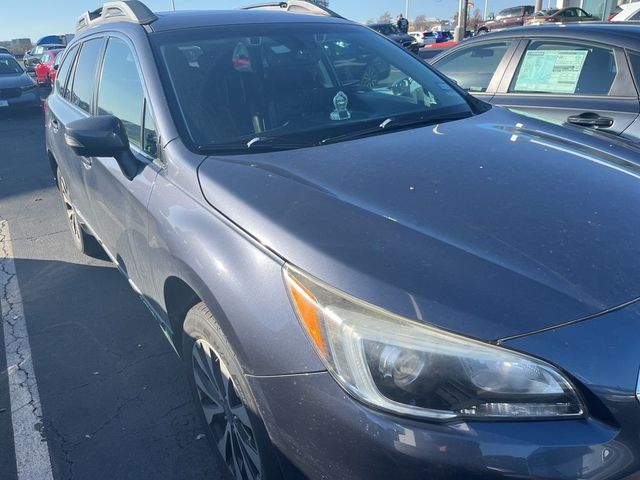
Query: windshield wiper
x=395, y=123
x=256, y=144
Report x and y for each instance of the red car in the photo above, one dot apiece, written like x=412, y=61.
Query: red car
x=46, y=69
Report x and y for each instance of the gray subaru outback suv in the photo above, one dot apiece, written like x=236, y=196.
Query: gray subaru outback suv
x=368, y=273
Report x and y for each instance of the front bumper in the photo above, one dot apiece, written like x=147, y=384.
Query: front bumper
x=327, y=434
x=27, y=99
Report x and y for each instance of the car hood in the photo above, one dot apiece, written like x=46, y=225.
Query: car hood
x=491, y=226
x=14, y=81
x=402, y=38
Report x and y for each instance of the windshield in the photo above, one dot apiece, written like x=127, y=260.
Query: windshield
x=231, y=85
x=8, y=66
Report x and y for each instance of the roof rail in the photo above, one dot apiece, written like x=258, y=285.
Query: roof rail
x=125, y=10
x=295, y=6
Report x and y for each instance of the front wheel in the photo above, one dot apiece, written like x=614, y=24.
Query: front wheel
x=224, y=402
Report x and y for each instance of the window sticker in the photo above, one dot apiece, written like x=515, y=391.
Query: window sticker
x=340, y=102
x=550, y=71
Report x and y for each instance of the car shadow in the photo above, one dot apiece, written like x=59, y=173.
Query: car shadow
x=114, y=396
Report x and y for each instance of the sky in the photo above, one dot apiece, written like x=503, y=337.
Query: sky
x=36, y=18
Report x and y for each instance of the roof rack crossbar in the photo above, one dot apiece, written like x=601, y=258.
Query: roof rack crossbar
x=124, y=10
x=295, y=6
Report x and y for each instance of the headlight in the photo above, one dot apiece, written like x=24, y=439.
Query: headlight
x=409, y=368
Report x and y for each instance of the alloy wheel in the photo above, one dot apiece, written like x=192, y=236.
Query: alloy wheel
x=225, y=414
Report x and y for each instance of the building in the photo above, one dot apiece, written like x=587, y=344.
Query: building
x=600, y=8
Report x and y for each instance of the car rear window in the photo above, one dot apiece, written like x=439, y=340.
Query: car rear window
x=564, y=68
x=305, y=81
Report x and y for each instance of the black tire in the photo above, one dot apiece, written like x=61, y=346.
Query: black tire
x=82, y=240
x=201, y=332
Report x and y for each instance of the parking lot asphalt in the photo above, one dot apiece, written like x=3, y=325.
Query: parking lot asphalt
x=115, y=402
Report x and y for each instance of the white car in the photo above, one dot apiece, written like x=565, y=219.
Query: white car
x=426, y=38
x=627, y=12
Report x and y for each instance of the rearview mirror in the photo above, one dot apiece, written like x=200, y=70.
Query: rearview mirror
x=102, y=136
x=482, y=53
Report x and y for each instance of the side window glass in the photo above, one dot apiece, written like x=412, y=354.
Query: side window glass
x=63, y=71
x=45, y=58
x=84, y=79
x=474, y=67
x=635, y=17
x=565, y=68
x=120, y=92
x=150, y=137
x=634, y=61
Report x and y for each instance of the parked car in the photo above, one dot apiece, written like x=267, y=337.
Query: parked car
x=45, y=70
x=350, y=302
x=595, y=86
x=426, y=38
x=626, y=12
x=563, y=15
x=17, y=89
x=507, y=18
x=4, y=50
x=34, y=56
x=392, y=32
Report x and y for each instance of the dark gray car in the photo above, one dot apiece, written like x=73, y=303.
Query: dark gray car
x=365, y=280
x=17, y=89
x=587, y=74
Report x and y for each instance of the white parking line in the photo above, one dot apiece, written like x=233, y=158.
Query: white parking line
x=31, y=449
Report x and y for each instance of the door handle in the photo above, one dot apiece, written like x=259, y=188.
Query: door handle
x=55, y=125
x=590, y=119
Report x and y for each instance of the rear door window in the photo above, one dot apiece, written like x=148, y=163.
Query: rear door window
x=561, y=68
x=473, y=68
x=84, y=80
x=63, y=72
x=121, y=92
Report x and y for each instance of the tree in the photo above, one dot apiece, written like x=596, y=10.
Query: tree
x=385, y=18
x=474, y=19
x=420, y=23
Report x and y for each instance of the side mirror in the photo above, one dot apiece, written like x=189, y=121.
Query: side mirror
x=102, y=136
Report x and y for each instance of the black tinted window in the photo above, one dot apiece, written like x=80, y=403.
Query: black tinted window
x=305, y=83
x=8, y=66
x=63, y=72
x=84, y=80
x=473, y=67
x=121, y=91
x=565, y=68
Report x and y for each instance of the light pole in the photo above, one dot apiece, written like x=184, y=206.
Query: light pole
x=486, y=9
x=173, y=5
x=458, y=33
x=406, y=9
